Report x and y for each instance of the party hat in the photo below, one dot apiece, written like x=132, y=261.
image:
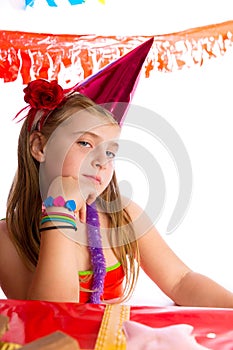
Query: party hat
x=114, y=85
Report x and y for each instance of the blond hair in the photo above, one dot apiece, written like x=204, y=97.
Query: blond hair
x=24, y=205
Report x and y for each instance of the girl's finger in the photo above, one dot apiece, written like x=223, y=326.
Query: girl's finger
x=82, y=213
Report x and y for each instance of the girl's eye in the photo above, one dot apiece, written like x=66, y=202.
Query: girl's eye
x=84, y=143
x=110, y=154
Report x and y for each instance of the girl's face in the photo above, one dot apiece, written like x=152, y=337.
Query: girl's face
x=86, y=148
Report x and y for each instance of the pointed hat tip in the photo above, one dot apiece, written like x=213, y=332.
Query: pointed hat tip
x=114, y=85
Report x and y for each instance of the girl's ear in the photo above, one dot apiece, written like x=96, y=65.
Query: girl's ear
x=37, y=146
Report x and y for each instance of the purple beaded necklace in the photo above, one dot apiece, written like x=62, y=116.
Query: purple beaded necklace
x=96, y=251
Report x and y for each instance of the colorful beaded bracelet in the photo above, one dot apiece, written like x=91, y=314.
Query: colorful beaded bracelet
x=71, y=216
x=60, y=202
x=59, y=218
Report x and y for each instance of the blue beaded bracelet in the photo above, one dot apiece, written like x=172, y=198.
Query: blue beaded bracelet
x=60, y=202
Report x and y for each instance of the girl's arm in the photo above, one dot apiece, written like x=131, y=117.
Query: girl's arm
x=172, y=276
x=195, y=289
x=56, y=275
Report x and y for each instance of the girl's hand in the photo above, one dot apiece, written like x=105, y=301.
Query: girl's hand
x=68, y=188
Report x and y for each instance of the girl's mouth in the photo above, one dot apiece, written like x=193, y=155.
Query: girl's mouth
x=96, y=179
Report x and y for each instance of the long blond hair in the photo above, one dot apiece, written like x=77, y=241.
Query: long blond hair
x=24, y=203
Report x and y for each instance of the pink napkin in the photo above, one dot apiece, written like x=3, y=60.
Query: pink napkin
x=174, y=337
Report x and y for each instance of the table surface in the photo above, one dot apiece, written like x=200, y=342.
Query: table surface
x=30, y=320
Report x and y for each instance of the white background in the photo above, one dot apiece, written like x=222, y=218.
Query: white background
x=197, y=102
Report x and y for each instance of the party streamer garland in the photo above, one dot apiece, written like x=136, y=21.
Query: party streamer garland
x=72, y=58
x=52, y=3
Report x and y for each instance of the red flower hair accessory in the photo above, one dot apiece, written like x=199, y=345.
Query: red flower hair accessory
x=42, y=96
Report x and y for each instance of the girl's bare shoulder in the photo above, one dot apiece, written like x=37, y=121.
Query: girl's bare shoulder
x=141, y=221
x=7, y=249
x=8, y=252
x=133, y=209
x=14, y=275
x=4, y=236
x=130, y=206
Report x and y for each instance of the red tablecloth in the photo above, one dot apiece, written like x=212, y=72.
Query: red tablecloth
x=29, y=320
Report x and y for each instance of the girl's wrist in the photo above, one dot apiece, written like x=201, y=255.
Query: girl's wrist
x=57, y=211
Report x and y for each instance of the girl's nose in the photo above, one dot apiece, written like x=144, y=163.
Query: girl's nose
x=99, y=163
x=99, y=159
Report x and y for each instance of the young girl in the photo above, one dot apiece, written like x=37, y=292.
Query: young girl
x=69, y=235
